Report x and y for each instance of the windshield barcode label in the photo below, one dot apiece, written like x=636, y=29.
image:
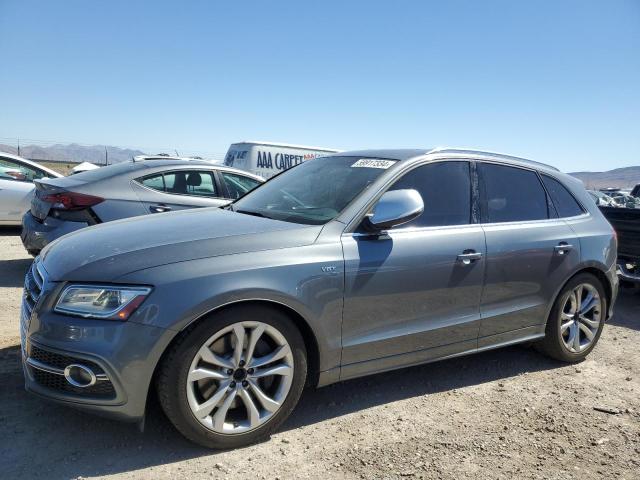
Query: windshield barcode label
x=373, y=163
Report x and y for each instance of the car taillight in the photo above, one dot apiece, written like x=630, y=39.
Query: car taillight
x=71, y=200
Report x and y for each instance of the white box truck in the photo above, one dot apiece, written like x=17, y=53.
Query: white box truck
x=268, y=159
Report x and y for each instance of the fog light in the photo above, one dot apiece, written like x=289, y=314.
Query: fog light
x=79, y=376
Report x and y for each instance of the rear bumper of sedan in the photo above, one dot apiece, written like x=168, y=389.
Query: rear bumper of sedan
x=37, y=234
x=120, y=356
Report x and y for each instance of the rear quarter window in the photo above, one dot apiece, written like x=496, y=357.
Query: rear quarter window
x=155, y=182
x=565, y=204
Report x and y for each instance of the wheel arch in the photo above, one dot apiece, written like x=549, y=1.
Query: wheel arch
x=606, y=284
x=597, y=272
x=308, y=335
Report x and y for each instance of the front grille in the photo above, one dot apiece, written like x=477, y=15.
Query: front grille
x=60, y=361
x=33, y=284
x=102, y=389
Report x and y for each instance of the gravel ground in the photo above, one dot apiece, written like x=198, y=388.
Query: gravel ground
x=510, y=413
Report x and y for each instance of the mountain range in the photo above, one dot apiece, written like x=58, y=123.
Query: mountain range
x=74, y=153
x=626, y=177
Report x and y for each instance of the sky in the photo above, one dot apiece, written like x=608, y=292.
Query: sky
x=554, y=81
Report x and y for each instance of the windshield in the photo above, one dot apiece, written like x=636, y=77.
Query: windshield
x=313, y=192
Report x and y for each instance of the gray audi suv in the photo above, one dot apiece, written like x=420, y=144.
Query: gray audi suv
x=340, y=267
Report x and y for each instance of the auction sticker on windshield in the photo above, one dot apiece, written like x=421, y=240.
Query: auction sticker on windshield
x=373, y=163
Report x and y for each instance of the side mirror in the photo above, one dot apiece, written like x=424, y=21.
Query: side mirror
x=395, y=208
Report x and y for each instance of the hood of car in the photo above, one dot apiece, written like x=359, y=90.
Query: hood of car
x=105, y=252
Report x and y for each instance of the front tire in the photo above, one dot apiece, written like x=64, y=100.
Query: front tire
x=576, y=320
x=233, y=378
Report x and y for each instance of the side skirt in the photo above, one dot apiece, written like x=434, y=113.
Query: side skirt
x=379, y=365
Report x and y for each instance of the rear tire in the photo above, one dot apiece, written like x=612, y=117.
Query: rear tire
x=255, y=389
x=576, y=320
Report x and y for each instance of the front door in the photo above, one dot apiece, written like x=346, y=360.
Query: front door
x=414, y=293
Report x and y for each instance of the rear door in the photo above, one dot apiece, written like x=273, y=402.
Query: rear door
x=530, y=253
x=179, y=189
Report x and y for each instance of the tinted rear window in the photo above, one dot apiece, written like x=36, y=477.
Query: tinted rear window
x=511, y=194
x=565, y=204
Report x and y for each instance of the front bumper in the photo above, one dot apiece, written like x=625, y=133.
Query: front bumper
x=123, y=355
x=36, y=234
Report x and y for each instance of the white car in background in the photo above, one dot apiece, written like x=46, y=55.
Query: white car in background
x=16, y=186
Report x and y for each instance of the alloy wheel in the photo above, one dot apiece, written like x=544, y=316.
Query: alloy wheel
x=240, y=377
x=580, y=317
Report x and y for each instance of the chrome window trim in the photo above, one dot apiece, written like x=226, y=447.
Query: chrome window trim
x=525, y=223
x=532, y=222
x=435, y=228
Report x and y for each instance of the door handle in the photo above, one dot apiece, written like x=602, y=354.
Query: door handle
x=469, y=256
x=563, y=248
x=159, y=208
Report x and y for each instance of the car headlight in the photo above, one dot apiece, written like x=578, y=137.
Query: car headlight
x=98, y=301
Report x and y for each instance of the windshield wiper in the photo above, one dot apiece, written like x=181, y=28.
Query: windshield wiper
x=251, y=212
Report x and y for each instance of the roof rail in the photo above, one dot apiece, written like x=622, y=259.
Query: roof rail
x=493, y=155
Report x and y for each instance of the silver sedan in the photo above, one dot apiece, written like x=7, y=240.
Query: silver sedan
x=128, y=189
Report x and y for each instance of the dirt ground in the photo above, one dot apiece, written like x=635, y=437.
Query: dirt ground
x=509, y=413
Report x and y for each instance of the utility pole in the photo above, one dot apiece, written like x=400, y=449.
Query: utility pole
x=18, y=147
x=106, y=156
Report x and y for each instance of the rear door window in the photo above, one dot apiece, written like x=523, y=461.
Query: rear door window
x=510, y=194
x=188, y=182
x=238, y=185
x=565, y=204
x=185, y=182
x=445, y=188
